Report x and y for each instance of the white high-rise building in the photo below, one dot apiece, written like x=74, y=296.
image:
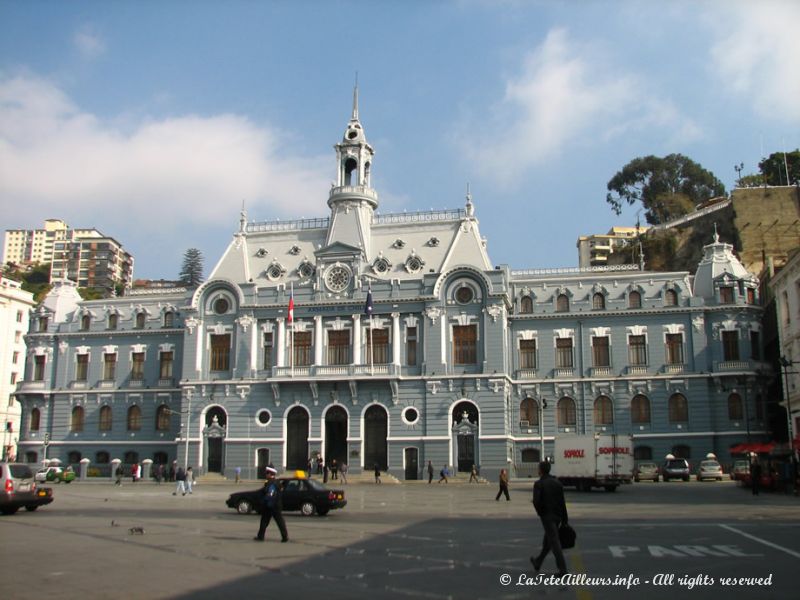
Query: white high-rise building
x=15, y=305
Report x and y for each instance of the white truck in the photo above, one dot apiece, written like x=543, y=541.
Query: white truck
x=587, y=461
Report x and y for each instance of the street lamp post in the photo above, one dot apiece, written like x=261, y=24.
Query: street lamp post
x=542, y=406
x=786, y=363
x=188, y=413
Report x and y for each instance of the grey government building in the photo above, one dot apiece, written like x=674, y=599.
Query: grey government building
x=462, y=362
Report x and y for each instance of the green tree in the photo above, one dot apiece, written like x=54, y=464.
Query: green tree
x=192, y=269
x=774, y=167
x=667, y=187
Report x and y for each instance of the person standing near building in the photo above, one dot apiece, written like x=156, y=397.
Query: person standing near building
x=334, y=469
x=473, y=474
x=189, y=480
x=320, y=465
x=430, y=472
x=343, y=471
x=503, y=480
x=377, y=473
x=180, y=477
x=238, y=474
x=119, y=474
x=755, y=475
x=548, y=499
x=271, y=507
x=443, y=475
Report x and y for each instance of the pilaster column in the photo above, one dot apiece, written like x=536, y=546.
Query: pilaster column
x=254, y=335
x=319, y=340
x=357, y=360
x=281, y=342
x=396, y=347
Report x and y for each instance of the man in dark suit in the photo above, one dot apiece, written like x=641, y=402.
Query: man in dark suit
x=548, y=499
x=271, y=507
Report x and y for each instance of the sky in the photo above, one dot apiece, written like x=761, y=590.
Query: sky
x=155, y=122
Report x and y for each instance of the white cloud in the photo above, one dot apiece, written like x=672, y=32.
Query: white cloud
x=160, y=177
x=89, y=43
x=756, y=52
x=566, y=94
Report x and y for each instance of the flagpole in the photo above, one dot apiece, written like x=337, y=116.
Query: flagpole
x=371, y=348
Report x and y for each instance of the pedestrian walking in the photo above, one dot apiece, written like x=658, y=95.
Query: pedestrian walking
x=320, y=465
x=473, y=474
x=503, y=480
x=157, y=474
x=238, y=474
x=189, y=480
x=271, y=507
x=172, y=468
x=180, y=477
x=324, y=473
x=443, y=475
x=755, y=476
x=548, y=500
x=119, y=475
x=334, y=469
x=134, y=472
x=343, y=471
x=377, y=469
x=430, y=472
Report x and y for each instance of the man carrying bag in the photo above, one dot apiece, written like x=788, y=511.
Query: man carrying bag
x=548, y=499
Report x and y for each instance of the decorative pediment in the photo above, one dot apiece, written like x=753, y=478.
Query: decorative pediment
x=166, y=347
x=528, y=334
x=338, y=249
x=564, y=333
x=673, y=328
x=463, y=319
x=110, y=349
x=600, y=331
x=636, y=330
x=411, y=321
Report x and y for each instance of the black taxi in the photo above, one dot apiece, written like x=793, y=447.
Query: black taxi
x=299, y=493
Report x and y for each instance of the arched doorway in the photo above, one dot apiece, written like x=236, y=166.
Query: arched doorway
x=465, y=436
x=376, y=429
x=335, y=435
x=297, y=438
x=214, y=437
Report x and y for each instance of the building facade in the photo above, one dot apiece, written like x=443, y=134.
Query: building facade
x=786, y=288
x=392, y=340
x=596, y=250
x=85, y=256
x=15, y=310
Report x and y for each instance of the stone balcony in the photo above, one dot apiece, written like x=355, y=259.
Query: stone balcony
x=328, y=371
x=342, y=192
x=526, y=373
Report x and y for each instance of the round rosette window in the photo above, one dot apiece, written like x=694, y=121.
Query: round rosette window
x=337, y=278
x=263, y=417
x=221, y=306
x=410, y=415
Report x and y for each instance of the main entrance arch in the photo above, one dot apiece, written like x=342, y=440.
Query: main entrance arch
x=376, y=429
x=336, y=435
x=297, y=438
x=465, y=436
x=214, y=437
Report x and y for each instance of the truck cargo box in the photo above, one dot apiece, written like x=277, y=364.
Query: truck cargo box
x=587, y=461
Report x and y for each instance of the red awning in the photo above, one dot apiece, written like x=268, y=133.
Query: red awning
x=757, y=447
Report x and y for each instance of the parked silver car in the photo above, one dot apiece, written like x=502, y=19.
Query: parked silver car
x=709, y=469
x=646, y=471
x=18, y=489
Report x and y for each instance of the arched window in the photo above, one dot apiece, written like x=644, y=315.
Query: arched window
x=134, y=418
x=529, y=412
x=598, y=301
x=350, y=166
x=678, y=409
x=131, y=457
x=562, y=303
x=113, y=321
x=74, y=457
x=169, y=319
x=566, y=412
x=634, y=300
x=643, y=453
x=162, y=418
x=682, y=451
x=76, y=422
x=526, y=305
x=140, y=317
x=104, y=424
x=86, y=322
x=735, y=407
x=603, y=411
x=102, y=458
x=670, y=298
x=160, y=458
x=36, y=416
x=640, y=409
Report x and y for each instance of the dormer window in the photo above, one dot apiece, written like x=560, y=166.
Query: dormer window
x=726, y=294
x=381, y=266
x=306, y=270
x=262, y=252
x=169, y=319
x=86, y=322
x=140, y=318
x=43, y=322
x=562, y=303
x=398, y=243
x=634, y=300
x=414, y=264
x=294, y=250
x=433, y=242
x=670, y=298
x=275, y=271
x=598, y=301
x=113, y=320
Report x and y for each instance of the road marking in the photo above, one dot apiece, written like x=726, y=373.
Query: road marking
x=760, y=541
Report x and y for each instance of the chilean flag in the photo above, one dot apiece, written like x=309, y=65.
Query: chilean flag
x=368, y=305
x=291, y=306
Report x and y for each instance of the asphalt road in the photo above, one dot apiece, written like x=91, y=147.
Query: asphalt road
x=403, y=541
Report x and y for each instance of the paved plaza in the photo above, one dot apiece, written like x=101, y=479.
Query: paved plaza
x=412, y=540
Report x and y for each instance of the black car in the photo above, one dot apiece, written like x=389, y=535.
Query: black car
x=299, y=493
x=675, y=468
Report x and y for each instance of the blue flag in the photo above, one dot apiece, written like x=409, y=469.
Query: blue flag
x=368, y=305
